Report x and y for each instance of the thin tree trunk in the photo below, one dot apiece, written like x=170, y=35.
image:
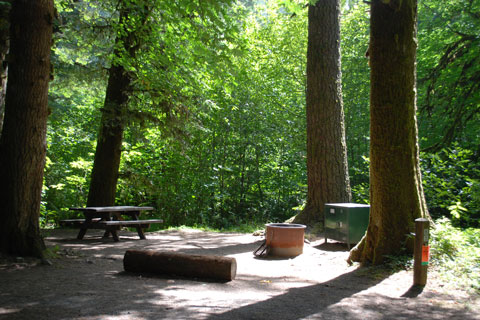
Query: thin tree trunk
x=23, y=142
x=327, y=170
x=257, y=170
x=396, y=193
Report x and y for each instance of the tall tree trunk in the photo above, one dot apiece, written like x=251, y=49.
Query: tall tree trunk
x=23, y=142
x=327, y=169
x=396, y=192
x=106, y=164
x=4, y=46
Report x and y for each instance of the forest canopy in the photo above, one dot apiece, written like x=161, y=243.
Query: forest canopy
x=215, y=131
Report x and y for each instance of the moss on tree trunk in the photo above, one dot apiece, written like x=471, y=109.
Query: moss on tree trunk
x=396, y=193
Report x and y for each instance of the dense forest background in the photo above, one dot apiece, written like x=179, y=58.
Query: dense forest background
x=216, y=131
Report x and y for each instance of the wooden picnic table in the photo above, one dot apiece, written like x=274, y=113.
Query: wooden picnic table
x=110, y=219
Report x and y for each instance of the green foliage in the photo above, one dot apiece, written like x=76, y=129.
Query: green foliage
x=52, y=252
x=70, y=138
x=243, y=154
x=451, y=183
x=449, y=72
x=454, y=257
x=451, y=180
x=455, y=254
x=402, y=261
x=355, y=80
x=216, y=122
x=361, y=186
x=457, y=211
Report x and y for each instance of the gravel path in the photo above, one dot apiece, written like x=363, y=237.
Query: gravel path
x=86, y=281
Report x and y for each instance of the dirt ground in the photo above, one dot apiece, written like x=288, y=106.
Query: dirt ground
x=86, y=281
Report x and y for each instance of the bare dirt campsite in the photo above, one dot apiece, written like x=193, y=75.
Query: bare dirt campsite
x=86, y=280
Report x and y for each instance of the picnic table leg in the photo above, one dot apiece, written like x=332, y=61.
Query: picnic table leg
x=140, y=233
x=108, y=231
x=81, y=233
x=115, y=235
x=113, y=231
x=84, y=227
x=135, y=216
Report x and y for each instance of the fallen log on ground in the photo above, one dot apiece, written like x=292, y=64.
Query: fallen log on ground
x=180, y=264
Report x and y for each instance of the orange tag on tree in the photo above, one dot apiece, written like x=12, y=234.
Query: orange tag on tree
x=425, y=255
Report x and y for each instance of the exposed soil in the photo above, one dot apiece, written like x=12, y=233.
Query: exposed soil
x=86, y=281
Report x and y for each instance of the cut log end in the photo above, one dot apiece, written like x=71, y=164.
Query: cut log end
x=180, y=264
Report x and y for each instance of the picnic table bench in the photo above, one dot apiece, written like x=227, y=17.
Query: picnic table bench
x=110, y=219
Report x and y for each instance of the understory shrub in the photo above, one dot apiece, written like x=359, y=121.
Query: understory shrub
x=455, y=254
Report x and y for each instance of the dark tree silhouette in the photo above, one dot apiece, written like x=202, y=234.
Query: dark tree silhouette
x=23, y=140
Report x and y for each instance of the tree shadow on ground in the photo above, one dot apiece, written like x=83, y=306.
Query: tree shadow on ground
x=413, y=292
x=195, y=244
x=95, y=287
x=347, y=297
x=302, y=302
x=332, y=247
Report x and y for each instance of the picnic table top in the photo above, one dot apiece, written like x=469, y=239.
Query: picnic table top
x=111, y=209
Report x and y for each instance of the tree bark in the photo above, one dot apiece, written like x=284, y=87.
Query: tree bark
x=4, y=46
x=327, y=169
x=396, y=192
x=23, y=141
x=106, y=164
